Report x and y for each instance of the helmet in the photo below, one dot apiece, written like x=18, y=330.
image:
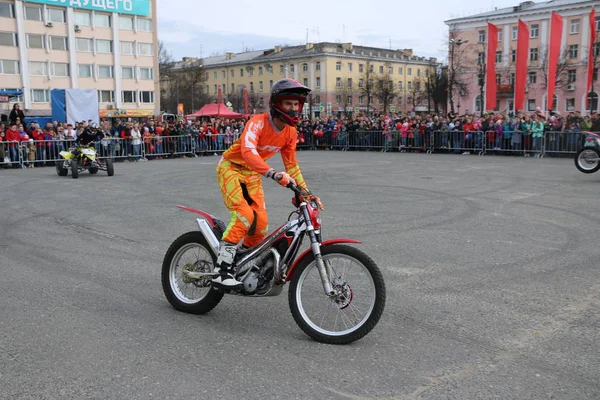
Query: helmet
x=287, y=89
x=25, y=137
x=93, y=125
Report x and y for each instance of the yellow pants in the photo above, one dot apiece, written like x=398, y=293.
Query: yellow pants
x=243, y=196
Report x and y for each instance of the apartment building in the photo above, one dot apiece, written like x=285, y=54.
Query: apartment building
x=570, y=94
x=336, y=73
x=108, y=45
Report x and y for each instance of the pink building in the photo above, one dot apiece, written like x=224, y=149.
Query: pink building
x=469, y=50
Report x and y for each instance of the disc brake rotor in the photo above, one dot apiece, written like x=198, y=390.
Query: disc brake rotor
x=198, y=266
x=344, y=294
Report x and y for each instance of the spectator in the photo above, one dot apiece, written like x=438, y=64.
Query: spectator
x=16, y=113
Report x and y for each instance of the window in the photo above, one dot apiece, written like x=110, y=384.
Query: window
x=570, y=104
x=104, y=46
x=400, y=85
x=56, y=15
x=318, y=99
x=361, y=68
x=38, y=68
x=371, y=68
x=511, y=80
x=128, y=72
x=105, y=71
x=260, y=71
x=260, y=85
x=361, y=99
x=418, y=72
x=83, y=44
x=499, y=34
x=280, y=69
x=106, y=96
x=349, y=67
x=481, y=36
x=533, y=54
x=409, y=85
x=318, y=66
x=349, y=83
x=597, y=25
x=270, y=69
x=126, y=23
x=390, y=70
x=146, y=73
x=338, y=82
x=531, y=78
x=409, y=71
x=35, y=41
x=305, y=82
x=60, y=69
x=381, y=69
x=84, y=70
x=498, y=79
x=129, y=96
x=252, y=86
x=271, y=84
x=6, y=10
x=338, y=66
x=58, y=43
x=361, y=83
x=304, y=67
x=223, y=74
x=83, y=18
x=9, y=67
x=292, y=68
x=514, y=32
x=573, y=50
x=480, y=58
x=146, y=97
x=338, y=99
x=40, y=95
x=513, y=55
x=318, y=82
x=33, y=13
x=478, y=103
x=232, y=88
x=574, y=26
x=349, y=100
x=102, y=20
x=596, y=49
x=8, y=39
x=144, y=25
x=498, y=56
x=571, y=76
x=127, y=48
x=145, y=49
x=534, y=31
x=400, y=72
x=232, y=73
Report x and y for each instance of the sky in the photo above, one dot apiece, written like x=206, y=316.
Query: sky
x=200, y=28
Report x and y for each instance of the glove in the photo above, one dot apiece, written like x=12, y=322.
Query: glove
x=283, y=178
x=308, y=196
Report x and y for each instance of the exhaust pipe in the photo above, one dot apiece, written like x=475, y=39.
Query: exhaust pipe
x=208, y=235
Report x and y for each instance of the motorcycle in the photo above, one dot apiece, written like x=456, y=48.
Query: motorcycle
x=86, y=159
x=337, y=292
x=587, y=159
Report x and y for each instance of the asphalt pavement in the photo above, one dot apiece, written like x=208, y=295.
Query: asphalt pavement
x=491, y=265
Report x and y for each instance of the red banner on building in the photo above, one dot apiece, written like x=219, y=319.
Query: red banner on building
x=246, y=102
x=521, y=67
x=590, y=74
x=490, y=78
x=556, y=28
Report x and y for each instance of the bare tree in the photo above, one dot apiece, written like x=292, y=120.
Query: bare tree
x=165, y=59
x=437, y=87
x=185, y=84
x=368, y=83
x=457, y=68
x=417, y=91
x=562, y=67
x=345, y=91
x=384, y=90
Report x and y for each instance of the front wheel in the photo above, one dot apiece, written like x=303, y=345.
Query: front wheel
x=74, y=169
x=587, y=160
x=190, y=253
x=355, y=309
x=110, y=168
x=60, y=168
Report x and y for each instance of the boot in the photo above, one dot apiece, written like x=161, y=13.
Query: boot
x=224, y=271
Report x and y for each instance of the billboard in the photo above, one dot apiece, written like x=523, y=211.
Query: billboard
x=134, y=7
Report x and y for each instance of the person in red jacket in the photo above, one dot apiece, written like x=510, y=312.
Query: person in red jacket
x=241, y=167
x=13, y=137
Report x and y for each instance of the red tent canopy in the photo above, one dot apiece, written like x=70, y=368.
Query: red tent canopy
x=215, y=110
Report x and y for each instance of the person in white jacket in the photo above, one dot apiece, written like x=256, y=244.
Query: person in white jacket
x=136, y=141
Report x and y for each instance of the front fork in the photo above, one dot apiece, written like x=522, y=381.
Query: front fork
x=315, y=246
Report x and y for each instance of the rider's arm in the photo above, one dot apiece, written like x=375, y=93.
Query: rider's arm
x=248, y=142
x=288, y=155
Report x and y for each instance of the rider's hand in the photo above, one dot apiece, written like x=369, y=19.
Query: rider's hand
x=308, y=196
x=283, y=178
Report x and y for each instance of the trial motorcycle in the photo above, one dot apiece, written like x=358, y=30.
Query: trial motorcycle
x=587, y=159
x=336, y=294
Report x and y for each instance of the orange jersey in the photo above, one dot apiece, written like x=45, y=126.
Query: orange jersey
x=260, y=141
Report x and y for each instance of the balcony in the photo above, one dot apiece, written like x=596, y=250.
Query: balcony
x=505, y=90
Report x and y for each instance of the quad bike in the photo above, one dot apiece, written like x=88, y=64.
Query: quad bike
x=86, y=159
x=587, y=159
x=337, y=292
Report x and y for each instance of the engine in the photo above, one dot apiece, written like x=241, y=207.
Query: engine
x=259, y=278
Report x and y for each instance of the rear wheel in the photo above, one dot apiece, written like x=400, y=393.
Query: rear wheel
x=190, y=253
x=60, y=168
x=74, y=169
x=587, y=160
x=355, y=309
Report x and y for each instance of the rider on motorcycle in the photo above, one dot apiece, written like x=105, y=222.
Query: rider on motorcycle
x=90, y=134
x=241, y=166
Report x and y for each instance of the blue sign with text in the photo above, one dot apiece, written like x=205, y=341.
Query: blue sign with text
x=136, y=7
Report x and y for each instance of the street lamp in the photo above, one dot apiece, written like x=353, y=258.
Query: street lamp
x=455, y=42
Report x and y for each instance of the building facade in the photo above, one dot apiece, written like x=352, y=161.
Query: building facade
x=571, y=92
x=336, y=72
x=108, y=45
